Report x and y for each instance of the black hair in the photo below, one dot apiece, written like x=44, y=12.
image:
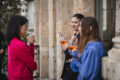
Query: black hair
x=78, y=16
x=13, y=28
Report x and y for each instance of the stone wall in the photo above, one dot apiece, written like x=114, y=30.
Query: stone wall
x=117, y=16
x=85, y=7
x=52, y=18
x=111, y=63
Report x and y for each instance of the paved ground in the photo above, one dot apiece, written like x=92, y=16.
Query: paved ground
x=43, y=79
x=6, y=73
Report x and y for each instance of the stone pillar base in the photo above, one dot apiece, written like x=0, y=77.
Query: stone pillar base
x=111, y=63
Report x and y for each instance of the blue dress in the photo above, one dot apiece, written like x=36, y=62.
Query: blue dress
x=89, y=65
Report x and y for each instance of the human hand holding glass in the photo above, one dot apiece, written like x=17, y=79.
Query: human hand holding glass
x=31, y=38
x=74, y=40
x=64, y=43
x=71, y=47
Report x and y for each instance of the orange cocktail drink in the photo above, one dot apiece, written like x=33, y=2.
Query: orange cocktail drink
x=63, y=42
x=72, y=48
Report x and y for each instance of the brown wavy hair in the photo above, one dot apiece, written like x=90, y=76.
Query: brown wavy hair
x=87, y=34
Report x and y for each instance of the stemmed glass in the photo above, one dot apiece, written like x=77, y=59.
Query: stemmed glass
x=71, y=47
x=69, y=43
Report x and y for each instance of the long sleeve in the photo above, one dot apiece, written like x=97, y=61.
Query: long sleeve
x=75, y=65
x=88, y=65
x=24, y=54
x=68, y=54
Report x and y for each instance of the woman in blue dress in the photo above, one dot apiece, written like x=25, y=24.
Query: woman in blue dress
x=91, y=50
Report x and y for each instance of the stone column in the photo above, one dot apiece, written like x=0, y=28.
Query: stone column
x=111, y=64
x=117, y=29
x=36, y=31
x=59, y=63
x=64, y=12
x=36, y=21
x=43, y=39
x=52, y=39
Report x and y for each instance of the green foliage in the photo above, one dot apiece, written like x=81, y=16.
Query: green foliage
x=7, y=8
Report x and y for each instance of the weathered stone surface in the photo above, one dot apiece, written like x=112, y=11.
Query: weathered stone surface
x=117, y=18
x=44, y=64
x=85, y=7
x=106, y=64
x=52, y=40
x=116, y=39
x=36, y=31
x=43, y=39
x=110, y=69
x=36, y=28
x=114, y=54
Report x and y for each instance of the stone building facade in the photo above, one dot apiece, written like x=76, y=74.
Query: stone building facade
x=52, y=18
x=111, y=64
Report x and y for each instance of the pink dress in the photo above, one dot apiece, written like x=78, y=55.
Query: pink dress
x=20, y=60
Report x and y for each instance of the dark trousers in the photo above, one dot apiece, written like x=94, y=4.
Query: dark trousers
x=68, y=74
